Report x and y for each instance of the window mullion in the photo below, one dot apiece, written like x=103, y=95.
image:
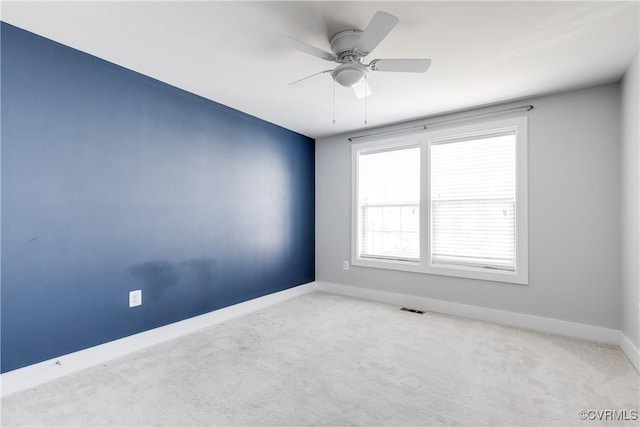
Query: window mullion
x=425, y=196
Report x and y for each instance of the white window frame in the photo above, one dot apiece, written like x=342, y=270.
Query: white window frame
x=424, y=140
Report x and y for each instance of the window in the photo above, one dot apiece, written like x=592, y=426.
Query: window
x=389, y=203
x=451, y=201
x=473, y=201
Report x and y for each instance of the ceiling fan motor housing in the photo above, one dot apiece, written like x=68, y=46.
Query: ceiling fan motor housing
x=343, y=46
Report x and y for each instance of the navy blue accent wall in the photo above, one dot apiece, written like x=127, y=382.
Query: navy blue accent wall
x=113, y=181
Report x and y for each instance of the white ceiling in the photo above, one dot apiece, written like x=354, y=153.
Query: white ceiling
x=482, y=52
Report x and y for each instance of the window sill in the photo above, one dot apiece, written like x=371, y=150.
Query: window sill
x=519, y=277
x=388, y=264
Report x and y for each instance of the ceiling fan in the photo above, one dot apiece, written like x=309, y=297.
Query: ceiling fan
x=350, y=47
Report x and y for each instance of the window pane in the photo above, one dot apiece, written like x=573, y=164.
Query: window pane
x=473, y=202
x=388, y=200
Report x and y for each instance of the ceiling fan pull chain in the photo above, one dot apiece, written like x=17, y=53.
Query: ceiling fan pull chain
x=365, y=102
x=334, y=102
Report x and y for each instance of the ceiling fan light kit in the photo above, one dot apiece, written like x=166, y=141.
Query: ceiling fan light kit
x=349, y=75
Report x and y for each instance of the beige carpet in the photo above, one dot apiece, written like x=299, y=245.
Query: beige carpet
x=322, y=359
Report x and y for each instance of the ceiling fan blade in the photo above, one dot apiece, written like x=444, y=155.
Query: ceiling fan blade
x=306, y=79
x=377, y=29
x=362, y=89
x=400, y=65
x=306, y=48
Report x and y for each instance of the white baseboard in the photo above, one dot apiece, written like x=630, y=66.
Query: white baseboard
x=39, y=373
x=509, y=318
x=630, y=350
x=33, y=375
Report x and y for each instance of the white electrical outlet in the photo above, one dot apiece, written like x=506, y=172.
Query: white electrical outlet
x=135, y=298
x=345, y=265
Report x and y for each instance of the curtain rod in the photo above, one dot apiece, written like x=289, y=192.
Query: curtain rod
x=427, y=125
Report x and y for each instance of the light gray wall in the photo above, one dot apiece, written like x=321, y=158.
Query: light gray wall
x=574, y=233
x=630, y=222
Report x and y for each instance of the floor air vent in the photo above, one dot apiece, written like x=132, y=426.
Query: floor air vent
x=411, y=310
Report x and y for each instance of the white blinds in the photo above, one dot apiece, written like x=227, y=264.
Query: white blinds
x=389, y=203
x=473, y=187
